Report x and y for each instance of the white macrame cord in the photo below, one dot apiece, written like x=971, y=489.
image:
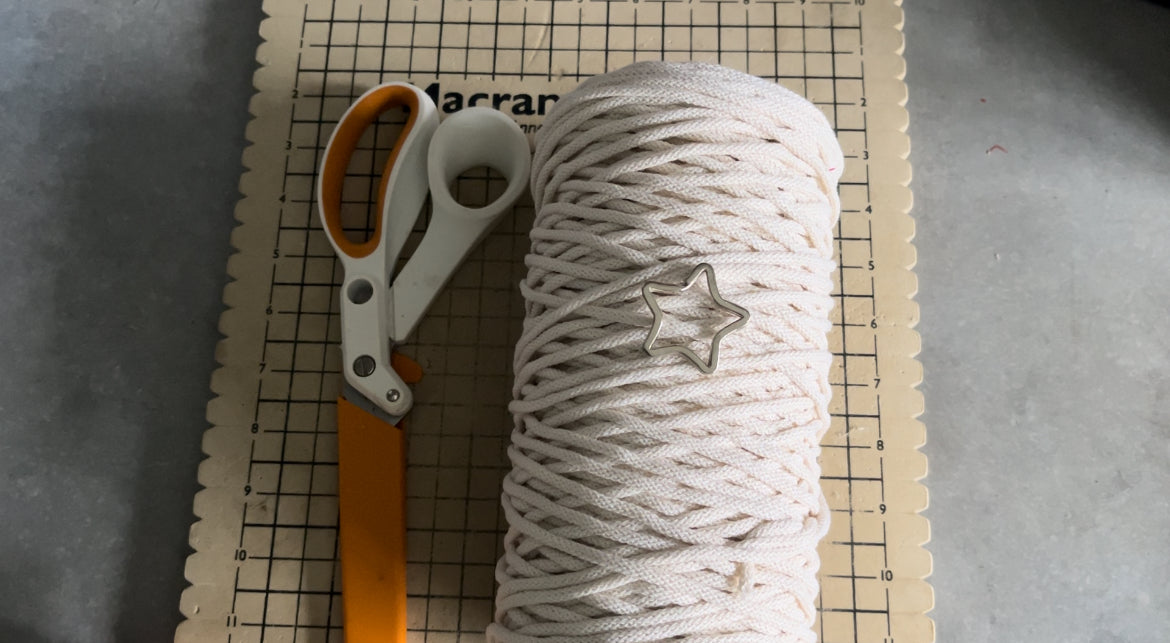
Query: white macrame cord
x=649, y=501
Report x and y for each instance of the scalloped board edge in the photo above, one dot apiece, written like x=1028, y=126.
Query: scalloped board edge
x=897, y=314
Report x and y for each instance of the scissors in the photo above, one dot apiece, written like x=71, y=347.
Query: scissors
x=379, y=309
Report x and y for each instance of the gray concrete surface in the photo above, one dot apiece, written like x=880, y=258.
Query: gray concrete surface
x=1045, y=306
x=1044, y=294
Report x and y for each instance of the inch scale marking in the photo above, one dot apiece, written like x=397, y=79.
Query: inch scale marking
x=266, y=546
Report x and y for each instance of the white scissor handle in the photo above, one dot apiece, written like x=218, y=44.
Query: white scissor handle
x=366, y=300
x=475, y=137
x=378, y=308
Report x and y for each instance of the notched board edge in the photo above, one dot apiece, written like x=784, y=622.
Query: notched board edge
x=197, y=603
x=887, y=42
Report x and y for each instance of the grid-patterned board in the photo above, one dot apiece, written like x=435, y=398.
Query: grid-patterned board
x=264, y=567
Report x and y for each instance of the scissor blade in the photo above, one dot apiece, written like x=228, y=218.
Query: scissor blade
x=372, y=525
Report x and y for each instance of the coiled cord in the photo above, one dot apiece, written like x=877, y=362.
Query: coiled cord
x=649, y=501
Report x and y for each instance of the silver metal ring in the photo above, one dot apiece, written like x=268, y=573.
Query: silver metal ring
x=650, y=292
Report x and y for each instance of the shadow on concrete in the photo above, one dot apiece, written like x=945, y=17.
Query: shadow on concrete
x=153, y=191
x=1123, y=45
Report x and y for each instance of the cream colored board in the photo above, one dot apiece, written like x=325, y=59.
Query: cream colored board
x=265, y=541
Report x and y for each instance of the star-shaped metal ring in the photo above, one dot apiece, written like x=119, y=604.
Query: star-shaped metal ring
x=650, y=292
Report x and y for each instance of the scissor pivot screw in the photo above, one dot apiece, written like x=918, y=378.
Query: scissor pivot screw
x=364, y=366
x=392, y=395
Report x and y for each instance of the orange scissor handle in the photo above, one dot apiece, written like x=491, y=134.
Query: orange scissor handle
x=361, y=115
x=372, y=524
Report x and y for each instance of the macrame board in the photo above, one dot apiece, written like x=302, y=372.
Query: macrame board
x=264, y=567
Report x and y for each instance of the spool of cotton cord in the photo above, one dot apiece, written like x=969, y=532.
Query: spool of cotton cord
x=649, y=500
